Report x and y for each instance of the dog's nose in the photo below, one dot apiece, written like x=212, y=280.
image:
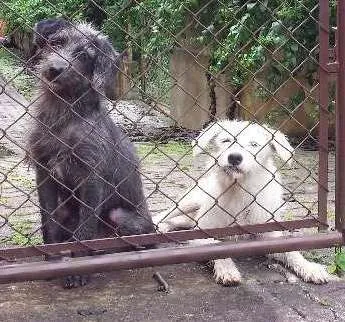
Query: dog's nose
x=235, y=158
x=55, y=71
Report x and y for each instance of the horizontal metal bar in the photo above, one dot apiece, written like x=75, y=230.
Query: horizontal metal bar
x=163, y=256
x=119, y=243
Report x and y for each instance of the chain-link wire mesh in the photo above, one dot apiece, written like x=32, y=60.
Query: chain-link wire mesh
x=176, y=79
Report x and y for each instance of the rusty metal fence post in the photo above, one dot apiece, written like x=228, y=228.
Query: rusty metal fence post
x=340, y=120
x=323, y=103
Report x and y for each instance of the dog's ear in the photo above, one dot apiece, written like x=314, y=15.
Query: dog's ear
x=205, y=138
x=106, y=67
x=46, y=28
x=281, y=145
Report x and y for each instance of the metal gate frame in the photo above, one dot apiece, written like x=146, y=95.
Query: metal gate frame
x=174, y=255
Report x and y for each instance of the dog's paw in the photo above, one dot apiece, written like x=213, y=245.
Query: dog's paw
x=226, y=273
x=74, y=281
x=315, y=273
x=160, y=225
x=163, y=227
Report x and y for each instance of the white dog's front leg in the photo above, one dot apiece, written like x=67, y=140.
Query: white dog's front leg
x=225, y=270
x=180, y=215
x=307, y=271
x=176, y=222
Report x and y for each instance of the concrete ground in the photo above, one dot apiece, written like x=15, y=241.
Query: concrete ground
x=132, y=295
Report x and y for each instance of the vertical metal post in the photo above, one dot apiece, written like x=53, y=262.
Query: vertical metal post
x=323, y=103
x=340, y=121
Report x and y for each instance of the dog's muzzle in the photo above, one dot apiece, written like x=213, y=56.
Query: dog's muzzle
x=231, y=170
x=234, y=160
x=54, y=71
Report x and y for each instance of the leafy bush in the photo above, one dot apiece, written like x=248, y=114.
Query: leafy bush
x=242, y=36
x=338, y=265
x=23, y=14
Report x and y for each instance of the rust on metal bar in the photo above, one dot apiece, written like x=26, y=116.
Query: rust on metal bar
x=149, y=239
x=164, y=256
x=323, y=105
x=333, y=68
x=340, y=121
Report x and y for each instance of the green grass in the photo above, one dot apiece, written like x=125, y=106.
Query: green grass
x=22, y=235
x=331, y=215
x=324, y=256
x=22, y=181
x=11, y=68
x=3, y=200
x=334, y=259
x=156, y=151
x=289, y=216
x=338, y=265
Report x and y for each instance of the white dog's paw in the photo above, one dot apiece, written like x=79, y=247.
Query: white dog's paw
x=157, y=219
x=226, y=273
x=163, y=227
x=315, y=273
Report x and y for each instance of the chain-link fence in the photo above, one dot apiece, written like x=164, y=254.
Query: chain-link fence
x=175, y=78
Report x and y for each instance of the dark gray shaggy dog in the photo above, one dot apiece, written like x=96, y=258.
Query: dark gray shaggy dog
x=86, y=167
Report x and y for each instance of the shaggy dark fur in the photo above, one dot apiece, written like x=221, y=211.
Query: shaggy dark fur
x=86, y=167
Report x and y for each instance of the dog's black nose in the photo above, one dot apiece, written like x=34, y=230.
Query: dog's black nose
x=55, y=72
x=235, y=159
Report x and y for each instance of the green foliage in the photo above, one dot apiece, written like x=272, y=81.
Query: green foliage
x=282, y=33
x=338, y=266
x=22, y=235
x=242, y=36
x=24, y=14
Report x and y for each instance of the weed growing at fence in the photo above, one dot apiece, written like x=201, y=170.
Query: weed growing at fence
x=338, y=265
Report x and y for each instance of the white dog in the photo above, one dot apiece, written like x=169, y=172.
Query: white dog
x=240, y=186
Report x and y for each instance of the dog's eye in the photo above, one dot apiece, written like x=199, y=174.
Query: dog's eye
x=254, y=144
x=80, y=54
x=226, y=141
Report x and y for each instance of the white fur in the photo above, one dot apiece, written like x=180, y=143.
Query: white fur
x=249, y=193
